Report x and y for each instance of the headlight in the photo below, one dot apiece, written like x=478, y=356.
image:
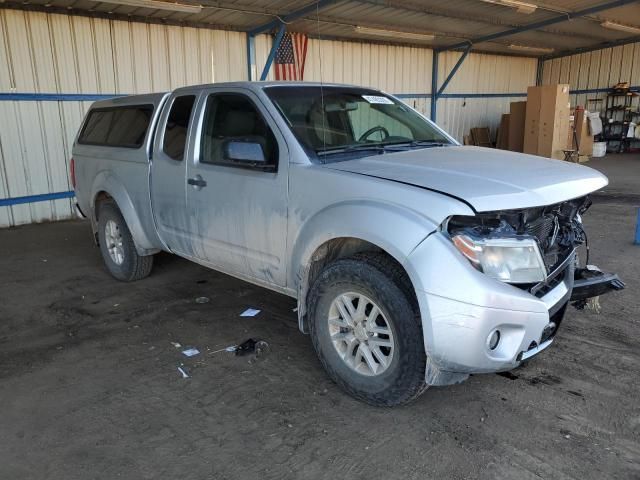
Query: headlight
x=512, y=260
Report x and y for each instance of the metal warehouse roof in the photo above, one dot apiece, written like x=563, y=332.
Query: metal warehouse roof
x=438, y=24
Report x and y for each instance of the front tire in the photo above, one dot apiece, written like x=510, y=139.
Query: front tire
x=366, y=330
x=117, y=246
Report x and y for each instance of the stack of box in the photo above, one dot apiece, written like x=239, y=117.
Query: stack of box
x=547, y=121
x=539, y=126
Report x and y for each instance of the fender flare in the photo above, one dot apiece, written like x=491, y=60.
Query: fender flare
x=109, y=183
x=397, y=231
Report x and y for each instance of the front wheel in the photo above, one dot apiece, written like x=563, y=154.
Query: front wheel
x=366, y=330
x=117, y=247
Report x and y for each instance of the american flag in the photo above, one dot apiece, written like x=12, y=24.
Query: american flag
x=291, y=56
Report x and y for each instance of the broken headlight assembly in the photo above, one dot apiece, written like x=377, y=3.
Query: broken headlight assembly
x=511, y=259
x=520, y=246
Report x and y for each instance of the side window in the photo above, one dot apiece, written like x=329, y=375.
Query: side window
x=124, y=126
x=175, y=132
x=233, y=117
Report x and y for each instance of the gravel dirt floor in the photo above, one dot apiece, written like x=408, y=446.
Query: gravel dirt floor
x=90, y=387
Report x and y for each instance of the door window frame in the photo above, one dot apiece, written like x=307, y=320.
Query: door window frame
x=201, y=110
x=165, y=119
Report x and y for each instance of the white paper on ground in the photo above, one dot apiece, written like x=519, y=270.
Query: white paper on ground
x=250, y=312
x=190, y=352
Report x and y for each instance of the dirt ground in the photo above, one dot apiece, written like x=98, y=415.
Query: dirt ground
x=89, y=385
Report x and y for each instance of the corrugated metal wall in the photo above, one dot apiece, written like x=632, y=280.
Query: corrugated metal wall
x=597, y=70
x=69, y=55
x=481, y=74
x=43, y=53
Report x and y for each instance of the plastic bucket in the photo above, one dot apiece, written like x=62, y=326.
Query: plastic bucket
x=599, y=149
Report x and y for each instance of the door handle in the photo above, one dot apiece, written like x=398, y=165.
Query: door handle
x=198, y=182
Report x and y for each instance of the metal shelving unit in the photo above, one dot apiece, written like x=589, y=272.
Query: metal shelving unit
x=619, y=113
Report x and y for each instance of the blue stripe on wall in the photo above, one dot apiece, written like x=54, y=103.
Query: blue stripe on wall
x=56, y=97
x=7, y=202
x=80, y=97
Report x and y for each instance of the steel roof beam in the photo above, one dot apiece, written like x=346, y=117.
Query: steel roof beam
x=544, y=23
x=290, y=17
x=600, y=46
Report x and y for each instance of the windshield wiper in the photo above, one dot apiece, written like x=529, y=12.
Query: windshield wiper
x=377, y=147
x=417, y=143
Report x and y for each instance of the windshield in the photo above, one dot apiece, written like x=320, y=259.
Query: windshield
x=339, y=122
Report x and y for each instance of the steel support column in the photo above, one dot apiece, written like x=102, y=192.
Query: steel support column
x=272, y=53
x=539, y=71
x=454, y=70
x=437, y=92
x=434, y=86
x=251, y=55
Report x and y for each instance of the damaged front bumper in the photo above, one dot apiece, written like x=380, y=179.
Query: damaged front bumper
x=591, y=282
x=476, y=324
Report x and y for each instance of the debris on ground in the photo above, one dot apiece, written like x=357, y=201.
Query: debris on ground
x=230, y=348
x=176, y=344
x=593, y=304
x=250, y=346
x=202, y=300
x=190, y=352
x=183, y=372
x=250, y=312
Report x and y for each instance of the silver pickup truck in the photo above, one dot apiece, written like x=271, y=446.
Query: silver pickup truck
x=415, y=261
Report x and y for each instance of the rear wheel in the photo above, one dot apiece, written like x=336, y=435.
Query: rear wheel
x=366, y=330
x=117, y=246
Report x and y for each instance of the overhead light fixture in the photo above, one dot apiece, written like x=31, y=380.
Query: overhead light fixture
x=393, y=34
x=526, y=48
x=620, y=27
x=157, y=5
x=521, y=7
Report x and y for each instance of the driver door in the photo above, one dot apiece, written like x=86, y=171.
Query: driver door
x=240, y=210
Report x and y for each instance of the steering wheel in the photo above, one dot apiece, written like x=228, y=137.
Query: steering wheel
x=372, y=130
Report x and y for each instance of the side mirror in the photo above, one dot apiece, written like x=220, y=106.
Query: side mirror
x=247, y=152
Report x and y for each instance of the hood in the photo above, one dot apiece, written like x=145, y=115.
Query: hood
x=486, y=178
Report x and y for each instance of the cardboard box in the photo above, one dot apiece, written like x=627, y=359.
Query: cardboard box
x=502, y=140
x=585, y=139
x=547, y=121
x=517, y=116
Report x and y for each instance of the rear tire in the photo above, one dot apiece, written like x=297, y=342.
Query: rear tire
x=352, y=352
x=117, y=246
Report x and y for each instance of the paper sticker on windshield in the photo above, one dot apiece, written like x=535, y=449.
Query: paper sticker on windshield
x=377, y=99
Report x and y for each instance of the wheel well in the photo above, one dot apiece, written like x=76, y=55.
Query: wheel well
x=100, y=197
x=335, y=249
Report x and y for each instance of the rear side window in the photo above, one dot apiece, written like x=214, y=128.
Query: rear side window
x=175, y=133
x=117, y=126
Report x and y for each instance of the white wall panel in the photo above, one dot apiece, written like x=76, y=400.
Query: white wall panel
x=600, y=69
